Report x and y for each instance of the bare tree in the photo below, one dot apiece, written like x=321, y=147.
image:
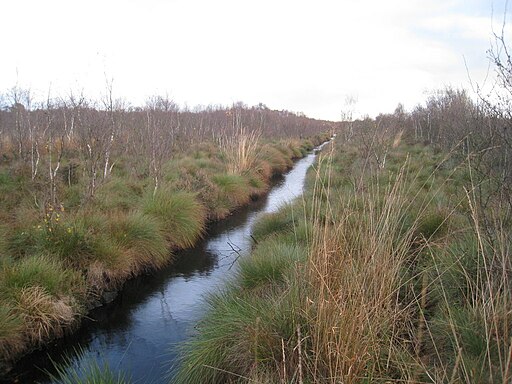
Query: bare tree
x=160, y=112
x=347, y=116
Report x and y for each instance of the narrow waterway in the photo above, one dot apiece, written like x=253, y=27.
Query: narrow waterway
x=140, y=331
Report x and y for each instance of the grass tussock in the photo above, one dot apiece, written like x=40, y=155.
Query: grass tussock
x=43, y=271
x=181, y=215
x=276, y=223
x=11, y=325
x=44, y=316
x=142, y=237
x=354, y=309
x=269, y=263
x=233, y=190
x=278, y=162
x=118, y=194
x=241, y=333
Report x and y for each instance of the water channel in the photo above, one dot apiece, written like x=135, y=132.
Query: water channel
x=139, y=332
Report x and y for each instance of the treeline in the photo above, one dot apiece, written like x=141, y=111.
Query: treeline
x=477, y=130
x=94, y=136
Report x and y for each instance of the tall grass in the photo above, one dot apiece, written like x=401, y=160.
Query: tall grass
x=43, y=271
x=233, y=189
x=10, y=327
x=243, y=335
x=269, y=263
x=474, y=303
x=142, y=238
x=276, y=159
x=354, y=275
x=44, y=316
x=118, y=194
x=240, y=150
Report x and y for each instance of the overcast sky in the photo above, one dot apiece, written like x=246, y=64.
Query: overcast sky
x=304, y=56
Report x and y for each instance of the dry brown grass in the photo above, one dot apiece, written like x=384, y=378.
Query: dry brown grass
x=354, y=273
x=44, y=316
x=241, y=150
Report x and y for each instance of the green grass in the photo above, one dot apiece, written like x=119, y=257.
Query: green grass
x=118, y=194
x=42, y=271
x=241, y=336
x=279, y=163
x=4, y=233
x=143, y=237
x=278, y=222
x=10, y=323
x=71, y=240
x=233, y=189
x=90, y=371
x=388, y=278
x=52, y=260
x=182, y=217
x=257, y=184
x=270, y=262
x=432, y=224
x=10, y=193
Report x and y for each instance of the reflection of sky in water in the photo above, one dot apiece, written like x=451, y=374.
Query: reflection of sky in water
x=137, y=332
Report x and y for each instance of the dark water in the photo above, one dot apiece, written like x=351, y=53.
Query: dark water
x=139, y=332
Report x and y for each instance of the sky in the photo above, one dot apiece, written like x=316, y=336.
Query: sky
x=302, y=56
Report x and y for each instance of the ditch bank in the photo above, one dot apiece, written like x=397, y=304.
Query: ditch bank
x=147, y=305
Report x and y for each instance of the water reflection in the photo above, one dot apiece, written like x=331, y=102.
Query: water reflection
x=156, y=311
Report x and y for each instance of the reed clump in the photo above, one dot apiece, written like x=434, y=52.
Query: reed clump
x=240, y=150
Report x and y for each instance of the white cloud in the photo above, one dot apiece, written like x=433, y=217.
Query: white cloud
x=299, y=55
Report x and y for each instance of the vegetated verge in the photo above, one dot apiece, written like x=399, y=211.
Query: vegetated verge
x=384, y=272
x=59, y=260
